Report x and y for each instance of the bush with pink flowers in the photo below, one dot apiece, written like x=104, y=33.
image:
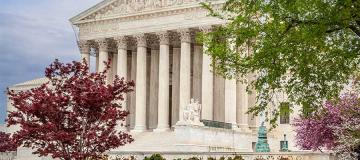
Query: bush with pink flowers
x=335, y=126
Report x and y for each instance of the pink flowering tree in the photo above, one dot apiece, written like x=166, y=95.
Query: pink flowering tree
x=73, y=116
x=335, y=126
x=6, y=144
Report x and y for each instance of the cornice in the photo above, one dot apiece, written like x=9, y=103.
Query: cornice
x=29, y=84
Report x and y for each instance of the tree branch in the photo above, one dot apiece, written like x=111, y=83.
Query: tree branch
x=333, y=30
x=355, y=29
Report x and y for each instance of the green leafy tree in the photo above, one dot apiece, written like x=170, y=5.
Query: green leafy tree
x=306, y=49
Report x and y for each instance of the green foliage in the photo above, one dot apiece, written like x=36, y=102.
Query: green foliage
x=285, y=108
x=155, y=156
x=211, y=158
x=237, y=157
x=194, y=158
x=306, y=49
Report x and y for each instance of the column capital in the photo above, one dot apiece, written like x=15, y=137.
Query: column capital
x=185, y=35
x=141, y=40
x=121, y=42
x=102, y=44
x=163, y=37
x=206, y=29
x=84, y=46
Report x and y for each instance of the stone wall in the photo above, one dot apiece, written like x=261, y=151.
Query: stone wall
x=217, y=155
x=7, y=156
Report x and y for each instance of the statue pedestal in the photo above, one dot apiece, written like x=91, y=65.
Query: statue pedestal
x=189, y=123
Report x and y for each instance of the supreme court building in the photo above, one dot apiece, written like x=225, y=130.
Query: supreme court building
x=152, y=42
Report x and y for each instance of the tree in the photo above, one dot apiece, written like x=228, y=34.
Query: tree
x=306, y=49
x=73, y=116
x=6, y=144
x=335, y=126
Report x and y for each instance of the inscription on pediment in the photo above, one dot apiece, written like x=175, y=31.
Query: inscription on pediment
x=123, y=7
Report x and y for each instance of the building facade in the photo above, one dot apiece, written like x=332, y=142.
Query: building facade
x=153, y=43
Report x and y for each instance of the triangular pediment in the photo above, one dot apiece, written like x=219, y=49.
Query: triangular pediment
x=117, y=8
x=85, y=14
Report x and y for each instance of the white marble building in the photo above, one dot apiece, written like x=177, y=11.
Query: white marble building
x=153, y=43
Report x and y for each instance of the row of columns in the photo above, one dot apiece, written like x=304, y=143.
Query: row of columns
x=235, y=101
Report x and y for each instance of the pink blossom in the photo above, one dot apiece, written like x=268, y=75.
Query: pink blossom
x=73, y=116
x=332, y=126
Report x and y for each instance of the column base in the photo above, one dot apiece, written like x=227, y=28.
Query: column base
x=139, y=129
x=162, y=129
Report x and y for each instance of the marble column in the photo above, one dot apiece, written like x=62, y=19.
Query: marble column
x=153, y=88
x=207, y=81
x=175, y=76
x=219, y=98
x=132, y=107
x=253, y=120
x=97, y=60
x=185, y=62
x=163, y=79
x=196, y=75
x=85, y=51
x=121, y=68
x=103, y=54
x=140, y=88
x=121, y=57
x=242, y=106
x=230, y=101
x=110, y=72
x=114, y=63
x=128, y=95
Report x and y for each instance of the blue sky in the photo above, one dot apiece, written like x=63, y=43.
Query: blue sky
x=32, y=34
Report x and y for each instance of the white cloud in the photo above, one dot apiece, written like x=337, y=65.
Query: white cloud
x=32, y=34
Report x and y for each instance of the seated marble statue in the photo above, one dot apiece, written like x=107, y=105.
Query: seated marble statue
x=192, y=112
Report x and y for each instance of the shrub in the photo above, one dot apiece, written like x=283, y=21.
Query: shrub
x=238, y=157
x=194, y=158
x=155, y=156
x=211, y=158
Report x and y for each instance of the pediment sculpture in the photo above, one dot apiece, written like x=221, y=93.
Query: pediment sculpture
x=123, y=7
